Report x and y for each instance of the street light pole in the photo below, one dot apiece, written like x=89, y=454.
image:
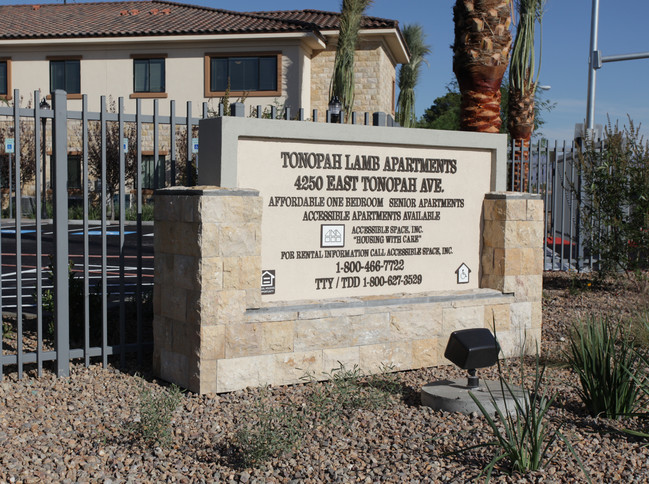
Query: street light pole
x=593, y=65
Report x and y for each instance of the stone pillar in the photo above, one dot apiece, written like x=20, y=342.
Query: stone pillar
x=207, y=272
x=512, y=262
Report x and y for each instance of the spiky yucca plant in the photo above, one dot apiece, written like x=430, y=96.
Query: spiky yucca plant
x=480, y=57
x=522, y=70
x=342, y=82
x=409, y=74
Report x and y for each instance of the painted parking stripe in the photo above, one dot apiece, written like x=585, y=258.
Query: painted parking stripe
x=108, y=232
x=13, y=231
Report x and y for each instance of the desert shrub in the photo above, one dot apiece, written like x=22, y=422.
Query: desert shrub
x=268, y=429
x=350, y=389
x=156, y=409
x=613, y=196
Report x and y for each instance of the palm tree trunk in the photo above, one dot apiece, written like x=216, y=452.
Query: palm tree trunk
x=480, y=57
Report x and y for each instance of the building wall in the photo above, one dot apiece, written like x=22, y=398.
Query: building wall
x=375, y=75
x=109, y=71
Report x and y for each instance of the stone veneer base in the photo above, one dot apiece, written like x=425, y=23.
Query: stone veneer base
x=213, y=334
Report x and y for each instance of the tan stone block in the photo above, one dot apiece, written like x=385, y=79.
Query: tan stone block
x=211, y=273
x=537, y=315
x=176, y=238
x=243, y=340
x=524, y=288
x=185, y=272
x=186, y=339
x=532, y=261
x=212, y=342
x=370, y=328
x=428, y=352
x=207, y=377
x=513, y=261
x=253, y=298
x=332, y=358
x=521, y=316
x=292, y=367
x=174, y=368
x=493, y=234
x=323, y=333
x=230, y=209
x=239, y=240
x=416, y=324
x=512, y=343
x=162, y=333
x=242, y=272
x=164, y=268
x=255, y=315
x=223, y=307
x=491, y=281
x=173, y=303
x=375, y=357
x=497, y=316
x=238, y=373
x=462, y=318
x=535, y=210
x=487, y=260
x=520, y=234
x=277, y=337
x=516, y=210
x=209, y=240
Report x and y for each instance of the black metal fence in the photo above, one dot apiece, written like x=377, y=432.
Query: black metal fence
x=82, y=289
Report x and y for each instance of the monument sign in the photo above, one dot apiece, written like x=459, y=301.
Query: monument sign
x=346, y=219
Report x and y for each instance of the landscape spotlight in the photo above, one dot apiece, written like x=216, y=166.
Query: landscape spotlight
x=470, y=349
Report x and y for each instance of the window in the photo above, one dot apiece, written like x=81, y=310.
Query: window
x=74, y=171
x=149, y=172
x=256, y=75
x=5, y=78
x=65, y=74
x=148, y=75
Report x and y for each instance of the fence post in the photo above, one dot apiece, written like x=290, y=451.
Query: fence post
x=379, y=119
x=61, y=289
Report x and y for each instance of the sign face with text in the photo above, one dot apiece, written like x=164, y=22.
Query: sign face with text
x=348, y=220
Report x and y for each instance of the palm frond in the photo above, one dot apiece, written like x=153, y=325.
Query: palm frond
x=409, y=73
x=342, y=81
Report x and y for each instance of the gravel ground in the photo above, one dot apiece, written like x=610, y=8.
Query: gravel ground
x=78, y=429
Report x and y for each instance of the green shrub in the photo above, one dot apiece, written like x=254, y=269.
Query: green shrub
x=602, y=353
x=268, y=429
x=350, y=389
x=156, y=409
x=613, y=198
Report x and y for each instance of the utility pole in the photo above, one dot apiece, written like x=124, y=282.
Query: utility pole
x=595, y=62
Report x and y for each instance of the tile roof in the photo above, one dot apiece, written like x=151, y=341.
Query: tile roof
x=156, y=17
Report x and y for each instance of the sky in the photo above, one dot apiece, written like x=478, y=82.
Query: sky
x=621, y=87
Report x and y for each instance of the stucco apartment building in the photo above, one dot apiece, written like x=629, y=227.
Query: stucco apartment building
x=156, y=49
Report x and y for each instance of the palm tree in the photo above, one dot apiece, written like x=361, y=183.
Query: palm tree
x=522, y=85
x=480, y=57
x=342, y=81
x=409, y=74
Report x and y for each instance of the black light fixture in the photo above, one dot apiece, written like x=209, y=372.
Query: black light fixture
x=44, y=105
x=471, y=349
x=335, y=109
